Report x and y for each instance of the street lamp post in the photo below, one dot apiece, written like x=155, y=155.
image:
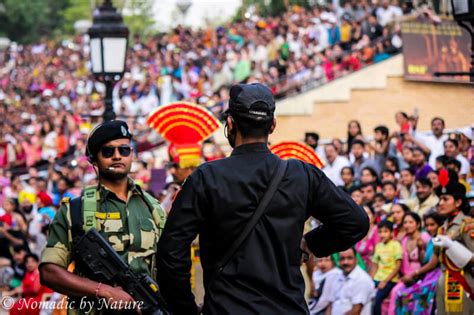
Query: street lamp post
x=183, y=6
x=108, y=46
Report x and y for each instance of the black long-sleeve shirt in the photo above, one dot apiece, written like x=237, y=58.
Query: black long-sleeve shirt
x=264, y=276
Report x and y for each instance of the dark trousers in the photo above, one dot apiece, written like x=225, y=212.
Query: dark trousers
x=381, y=295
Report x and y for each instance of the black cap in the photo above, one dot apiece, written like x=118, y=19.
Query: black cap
x=105, y=132
x=449, y=185
x=453, y=188
x=251, y=100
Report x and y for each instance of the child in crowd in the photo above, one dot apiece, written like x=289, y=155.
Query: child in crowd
x=356, y=195
x=386, y=264
x=380, y=213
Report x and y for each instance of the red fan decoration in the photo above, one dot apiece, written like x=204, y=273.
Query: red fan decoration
x=184, y=125
x=297, y=150
x=443, y=178
x=183, y=122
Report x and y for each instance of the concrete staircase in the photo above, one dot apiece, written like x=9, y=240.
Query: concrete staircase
x=339, y=90
x=372, y=96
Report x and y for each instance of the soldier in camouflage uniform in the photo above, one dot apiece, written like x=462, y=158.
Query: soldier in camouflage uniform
x=129, y=218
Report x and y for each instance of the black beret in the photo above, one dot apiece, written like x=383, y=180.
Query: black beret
x=449, y=185
x=105, y=132
x=453, y=188
x=244, y=96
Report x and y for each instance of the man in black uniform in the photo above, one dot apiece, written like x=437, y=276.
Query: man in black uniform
x=218, y=200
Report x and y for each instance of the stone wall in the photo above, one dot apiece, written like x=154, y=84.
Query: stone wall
x=453, y=102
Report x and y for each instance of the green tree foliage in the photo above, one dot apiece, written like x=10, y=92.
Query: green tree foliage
x=274, y=7
x=28, y=20
x=75, y=10
x=138, y=16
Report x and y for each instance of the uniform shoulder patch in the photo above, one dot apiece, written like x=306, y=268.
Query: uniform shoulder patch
x=468, y=227
x=468, y=220
x=65, y=200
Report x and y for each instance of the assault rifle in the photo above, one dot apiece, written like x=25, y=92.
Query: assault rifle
x=101, y=263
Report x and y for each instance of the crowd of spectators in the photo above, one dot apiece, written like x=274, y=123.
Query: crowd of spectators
x=49, y=102
x=394, y=177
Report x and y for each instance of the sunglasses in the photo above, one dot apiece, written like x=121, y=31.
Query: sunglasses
x=109, y=151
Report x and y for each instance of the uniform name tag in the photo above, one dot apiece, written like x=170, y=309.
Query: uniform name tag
x=107, y=215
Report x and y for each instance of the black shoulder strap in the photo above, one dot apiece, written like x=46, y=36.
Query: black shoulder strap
x=272, y=187
x=75, y=210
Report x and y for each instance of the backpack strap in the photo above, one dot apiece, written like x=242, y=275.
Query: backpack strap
x=82, y=212
x=90, y=199
x=66, y=202
x=75, y=211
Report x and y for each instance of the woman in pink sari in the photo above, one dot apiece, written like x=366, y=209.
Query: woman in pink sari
x=418, y=296
x=414, y=247
x=366, y=246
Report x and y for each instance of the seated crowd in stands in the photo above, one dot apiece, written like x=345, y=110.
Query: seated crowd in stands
x=49, y=99
x=394, y=178
x=49, y=102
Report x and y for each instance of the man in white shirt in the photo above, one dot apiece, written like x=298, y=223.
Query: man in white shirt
x=148, y=101
x=324, y=279
x=335, y=163
x=387, y=14
x=222, y=76
x=451, y=150
x=435, y=141
x=132, y=103
x=354, y=289
x=320, y=35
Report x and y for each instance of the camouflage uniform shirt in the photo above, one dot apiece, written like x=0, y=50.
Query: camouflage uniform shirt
x=130, y=227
